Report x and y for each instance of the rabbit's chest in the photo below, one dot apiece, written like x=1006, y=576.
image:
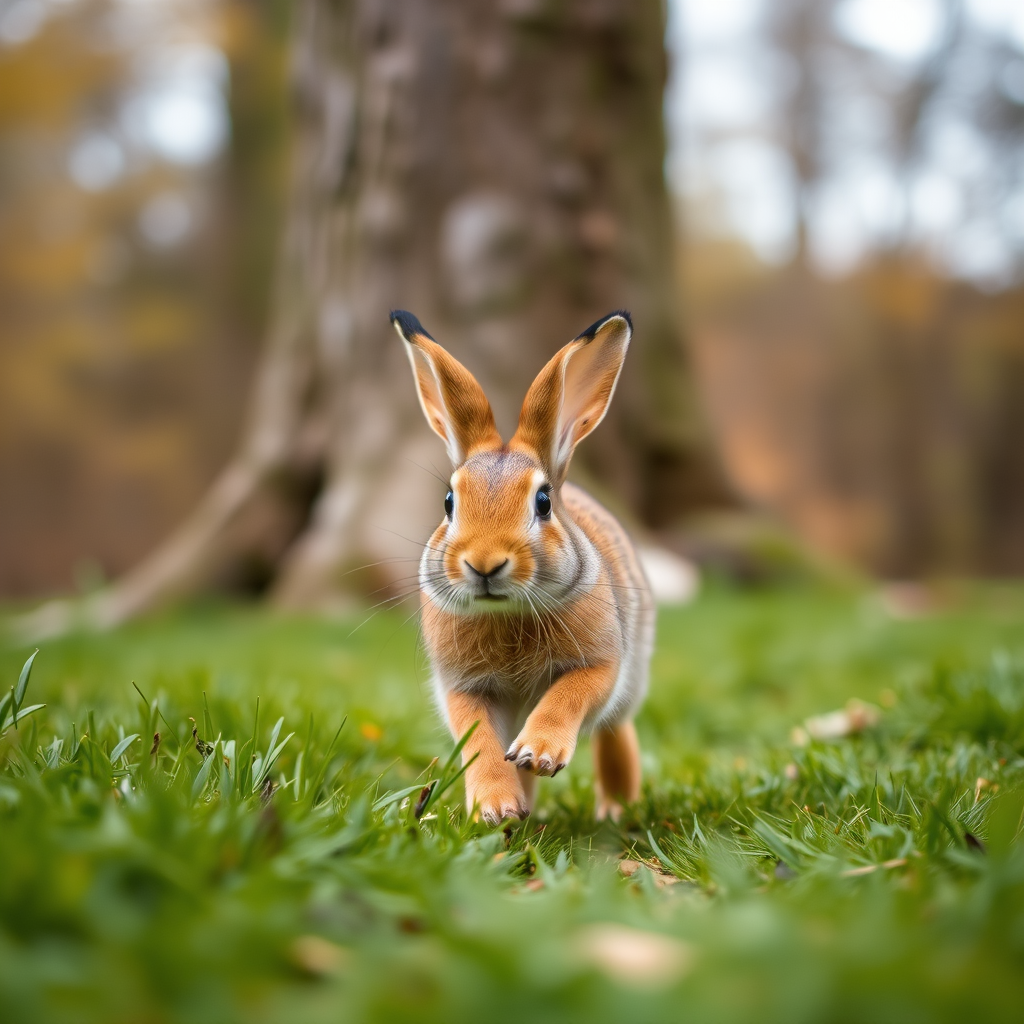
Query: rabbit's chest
x=518, y=657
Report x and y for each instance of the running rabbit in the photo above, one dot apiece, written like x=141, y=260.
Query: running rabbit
x=537, y=617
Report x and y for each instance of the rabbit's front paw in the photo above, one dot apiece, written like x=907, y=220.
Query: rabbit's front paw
x=495, y=795
x=495, y=801
x=541, y=748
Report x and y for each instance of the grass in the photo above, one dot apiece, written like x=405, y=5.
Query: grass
x=280, y=872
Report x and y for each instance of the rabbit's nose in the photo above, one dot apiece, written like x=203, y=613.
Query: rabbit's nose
x=487, y=569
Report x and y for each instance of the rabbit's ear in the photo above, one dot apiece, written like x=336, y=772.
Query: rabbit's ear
x=453, y=402
x=571, y=394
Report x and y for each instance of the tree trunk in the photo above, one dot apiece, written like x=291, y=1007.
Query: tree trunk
x=498, y=170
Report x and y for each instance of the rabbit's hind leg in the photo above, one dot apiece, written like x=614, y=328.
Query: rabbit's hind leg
x=617, y=769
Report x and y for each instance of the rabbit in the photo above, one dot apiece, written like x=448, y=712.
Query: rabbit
x=536, y=615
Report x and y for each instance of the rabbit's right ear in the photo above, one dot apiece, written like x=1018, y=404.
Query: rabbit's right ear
x=453, y=402
x=571, y=394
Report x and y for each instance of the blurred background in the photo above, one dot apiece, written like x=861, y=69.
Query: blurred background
x=814, y=209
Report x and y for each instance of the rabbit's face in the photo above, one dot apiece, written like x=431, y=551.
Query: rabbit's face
x=505, y=543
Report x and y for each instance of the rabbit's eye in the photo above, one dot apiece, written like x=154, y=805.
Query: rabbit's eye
x=543, y=504
x=449, y=504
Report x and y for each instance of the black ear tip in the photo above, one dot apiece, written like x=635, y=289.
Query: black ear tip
x=408, y=324
x=624, y=313
x=592, y=330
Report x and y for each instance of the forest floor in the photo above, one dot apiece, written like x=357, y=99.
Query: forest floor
x=873, y=877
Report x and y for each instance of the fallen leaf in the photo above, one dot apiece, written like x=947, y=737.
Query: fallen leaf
x=640, y=959
x=629, y=867
x=868, y=869
x=983, y=784
x=317, y=956
x=662, y=878
x=854, y=718
x=424, y=796
x=905, y=599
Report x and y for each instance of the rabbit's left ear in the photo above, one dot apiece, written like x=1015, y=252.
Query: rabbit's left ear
x=453, y=402
x=571, y=394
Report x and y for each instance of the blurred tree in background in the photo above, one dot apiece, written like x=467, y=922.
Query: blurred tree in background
x=185, y=180
x=136, y=245
x=861, y=350
x=500, y=171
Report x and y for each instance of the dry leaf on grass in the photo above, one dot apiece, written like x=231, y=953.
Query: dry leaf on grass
x=868, y=869
x=983, y=784
x=662, y=877
x=905, y=599
x=317, y=956
x=633, y=957
x=854, y=718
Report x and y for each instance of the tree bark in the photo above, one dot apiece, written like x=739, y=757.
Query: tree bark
x=497, y=169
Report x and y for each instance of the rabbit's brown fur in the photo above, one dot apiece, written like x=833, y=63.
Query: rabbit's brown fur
x=538, y=625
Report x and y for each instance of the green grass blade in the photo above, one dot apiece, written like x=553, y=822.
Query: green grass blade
x=268, y=762
x=26, y=672
x=384, y=802
x=122, y=747
x=463, y=740
x=25, y=712
x=199, y=784
x=321, y=773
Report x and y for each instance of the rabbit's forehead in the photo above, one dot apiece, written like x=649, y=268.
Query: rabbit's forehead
x=500, y=477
